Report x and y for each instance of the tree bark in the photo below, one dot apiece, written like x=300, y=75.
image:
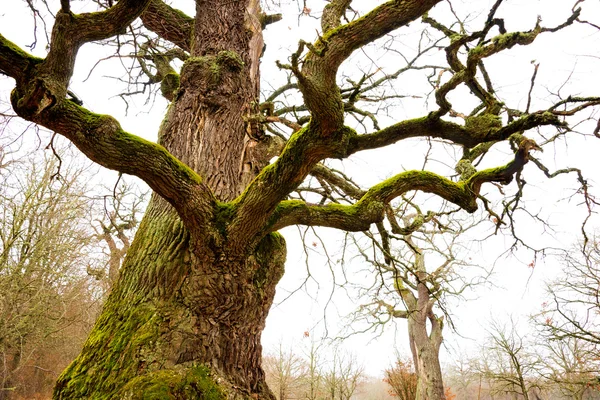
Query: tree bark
x=175, y=311
x=424, y=346
x=186, y=316
x=425, y=349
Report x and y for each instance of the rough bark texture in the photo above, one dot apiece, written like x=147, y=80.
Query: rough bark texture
x=174, y=312
x=184, y=304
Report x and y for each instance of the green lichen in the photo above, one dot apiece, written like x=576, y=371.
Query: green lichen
x=207, y=67
x=169, y=85
x=210, y=68
x=110, y=341
x=193, y=382
x=482, y=124
x=508, y=40
x=455, y=37
x=230, y=59
x=223, y=215
x=477, y=51
x=465, y=169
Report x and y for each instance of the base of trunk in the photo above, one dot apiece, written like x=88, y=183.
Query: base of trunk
x=175, y=327
x=194, y=382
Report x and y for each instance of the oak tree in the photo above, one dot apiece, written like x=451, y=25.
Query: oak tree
x=415, y=271
x=185, y=317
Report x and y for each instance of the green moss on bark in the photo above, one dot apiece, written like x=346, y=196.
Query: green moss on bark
x=190, y=383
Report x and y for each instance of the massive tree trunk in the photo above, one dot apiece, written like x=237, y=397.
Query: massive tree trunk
x=174, y=311
x=183, y=304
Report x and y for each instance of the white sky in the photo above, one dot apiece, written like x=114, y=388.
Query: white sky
x=573, y=55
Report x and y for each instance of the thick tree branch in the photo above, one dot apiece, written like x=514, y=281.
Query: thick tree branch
x=325, y=136
x=468, y=135
x=40, y=97
x=169, y=23
x=332, y=14
x=102, y=140
x=70, y=31
x=15, y=62
x=302, y=152
x=317, y=79
x=371, y=207
x=106, y=24
x=340, y=43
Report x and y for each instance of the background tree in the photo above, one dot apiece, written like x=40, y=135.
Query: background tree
x=322, y=372
x=116, y=219
x=342, y=379
x=47, y=302
x=406, y=286
x=513, y=362
x=313, y=378
x=569, y=322
x=571, y=367
x=285, y=372
x=575, y=301
x=194, y=291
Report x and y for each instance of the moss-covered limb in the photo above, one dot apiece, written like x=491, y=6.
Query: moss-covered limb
x=344, y=40
x=101, y=138
x=417, y=127
x=70, y=31
x=525, y=123
x=302, y=152
x=169, y=23
x=457, y=42
x=477, y=130
x=15, y=62
x=332, y=14
x=352, y=218
x=317, y=79
x=105, y=24
x=503, y=174
x=371, y=207
x=466, y=73
x=165, y=74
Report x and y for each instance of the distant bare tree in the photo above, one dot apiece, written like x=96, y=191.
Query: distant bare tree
x=46, y=305
x=572, y=367
x=570, y=324
x=512, y=361
x=312, y=375
x=313, y=379
x=575, y=305
x=419, y=264
x=116, y=220
x=285, y=372
x=343, y=377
